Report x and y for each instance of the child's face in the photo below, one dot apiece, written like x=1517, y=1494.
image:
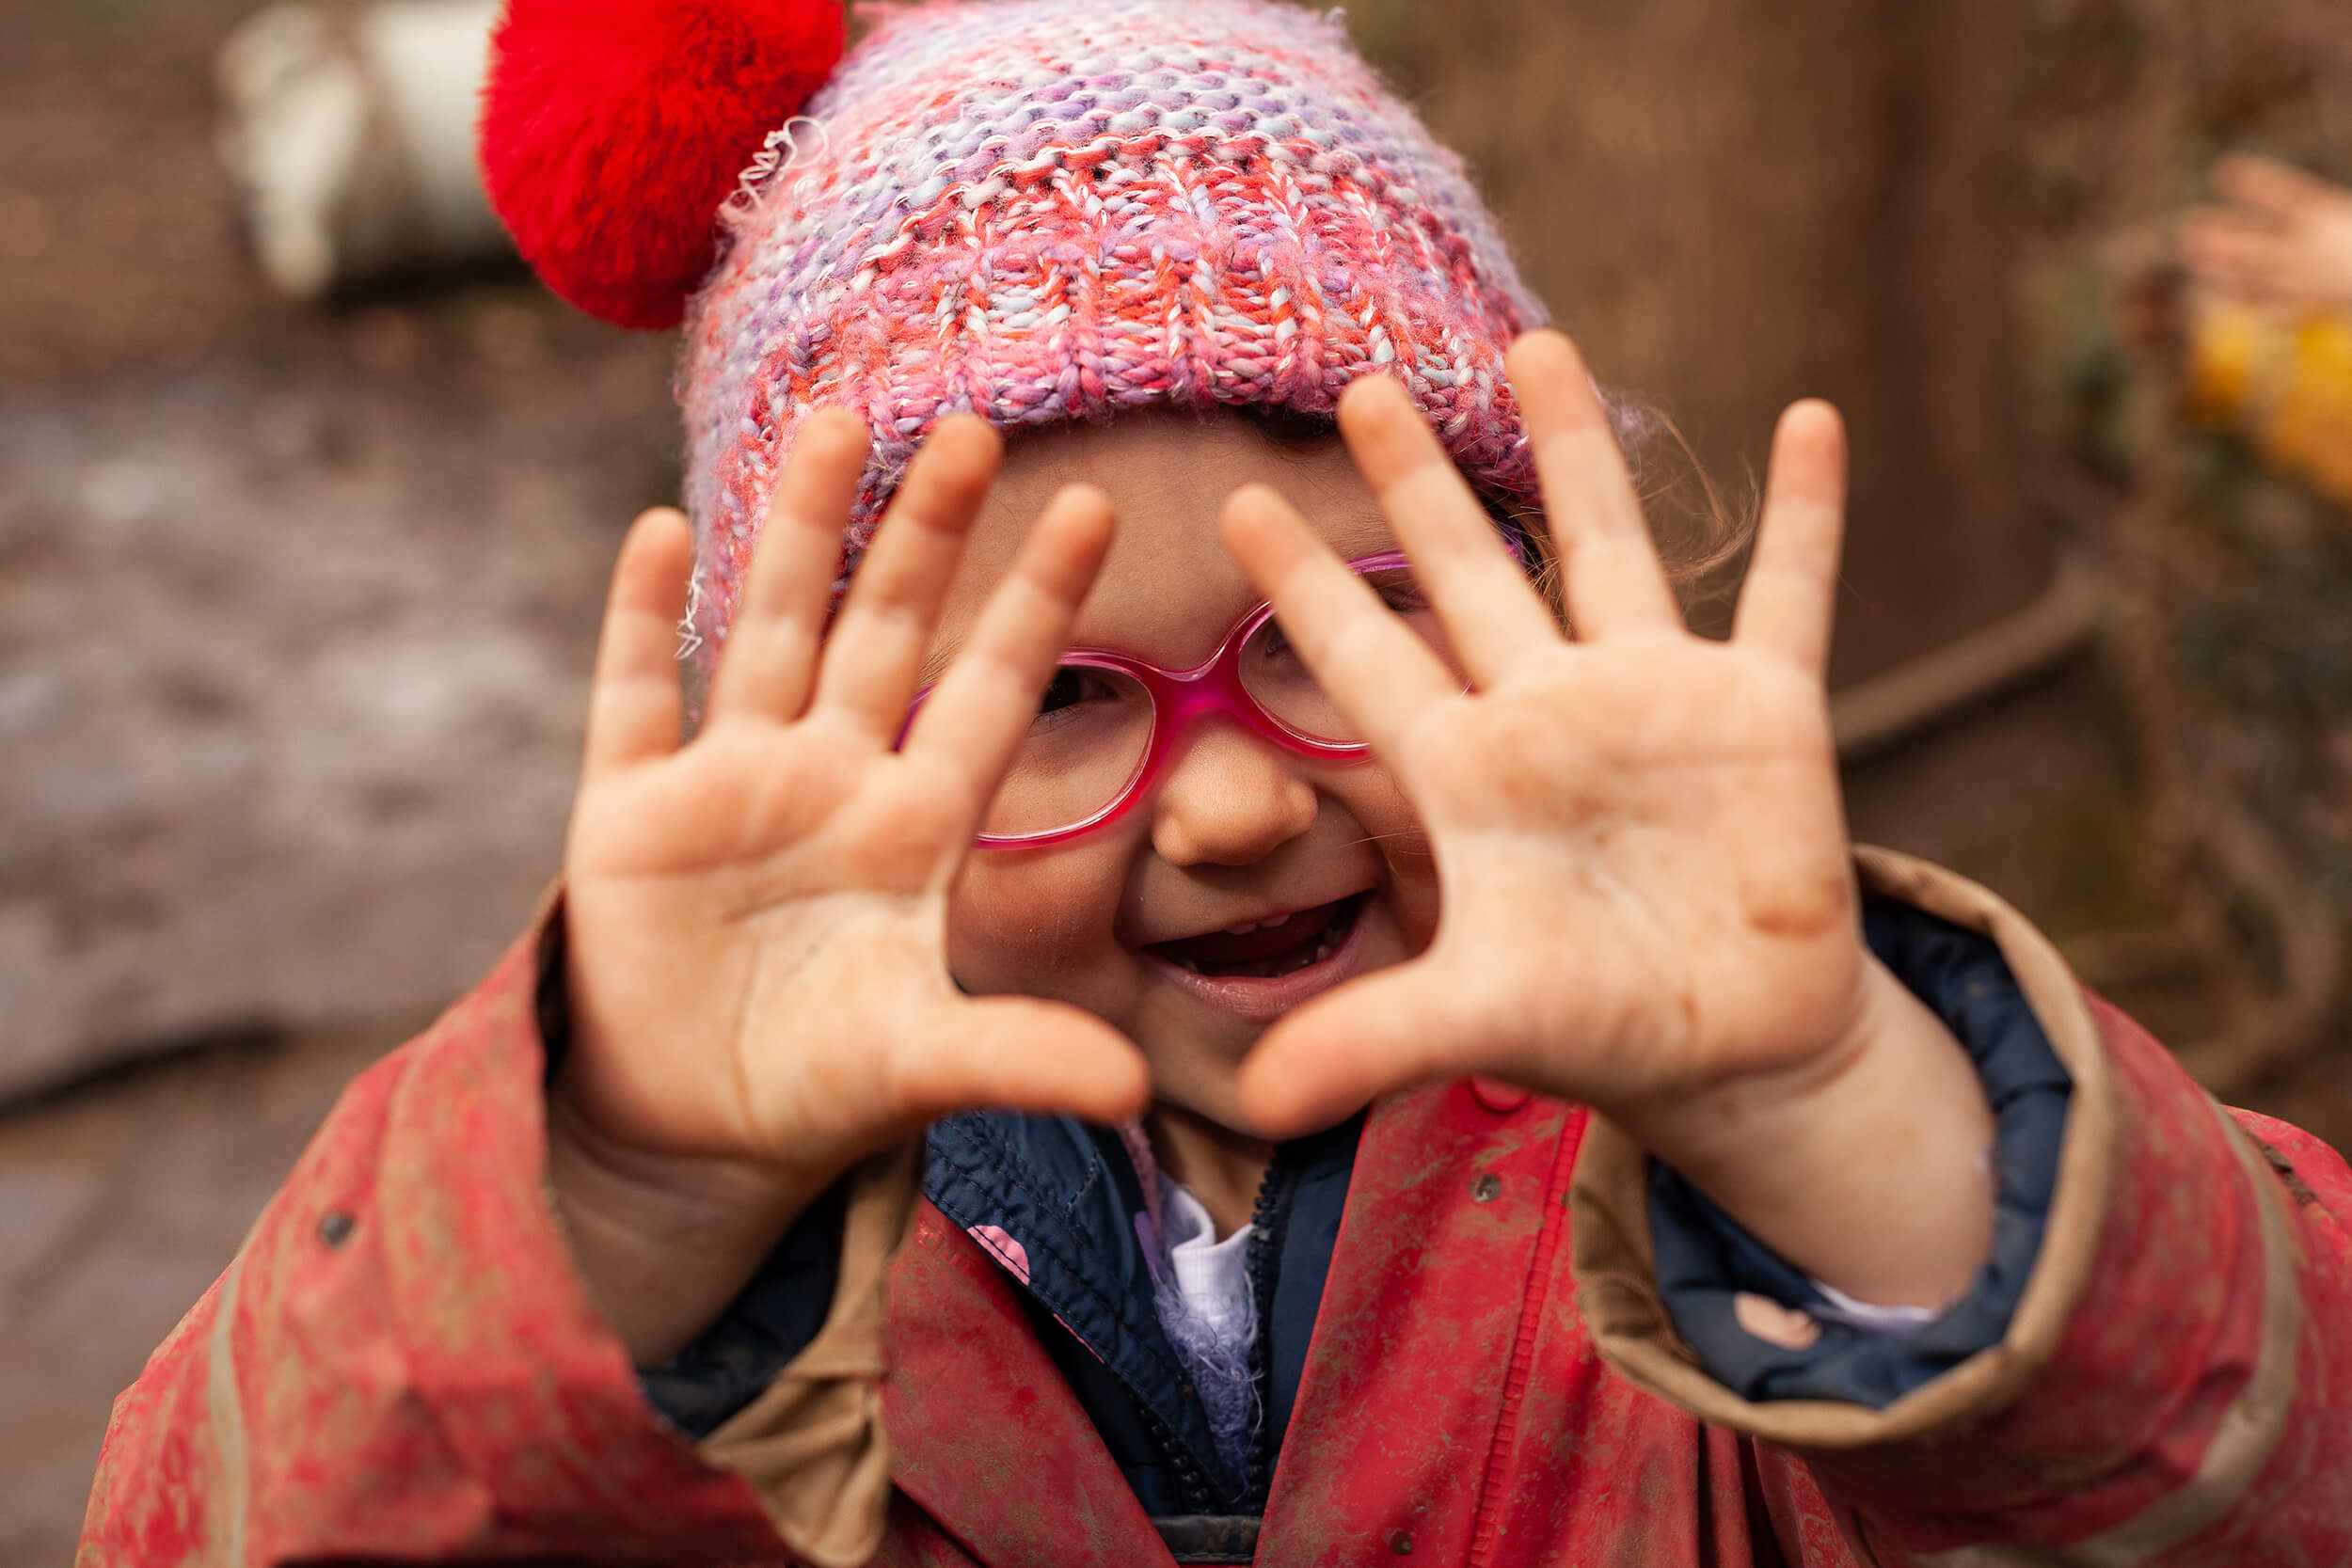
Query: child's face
x=1238, y=830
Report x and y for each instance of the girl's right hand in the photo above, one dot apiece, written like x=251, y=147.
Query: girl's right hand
x=756, y=918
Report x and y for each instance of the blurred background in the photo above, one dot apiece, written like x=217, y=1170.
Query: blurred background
x=297, y=594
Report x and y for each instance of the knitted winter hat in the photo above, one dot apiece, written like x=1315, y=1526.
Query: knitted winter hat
x=1034, y=210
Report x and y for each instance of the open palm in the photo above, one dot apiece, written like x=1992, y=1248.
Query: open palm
x=1646, y=891
x=757, y=917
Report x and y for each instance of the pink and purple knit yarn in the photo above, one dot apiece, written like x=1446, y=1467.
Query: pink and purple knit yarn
x=1050, y=210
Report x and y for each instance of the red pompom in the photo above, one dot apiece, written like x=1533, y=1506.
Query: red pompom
x=612, y=130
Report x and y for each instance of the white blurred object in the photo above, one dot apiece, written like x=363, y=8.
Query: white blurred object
x=349, y=135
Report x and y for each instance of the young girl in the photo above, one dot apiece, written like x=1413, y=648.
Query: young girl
x=1067, y=1064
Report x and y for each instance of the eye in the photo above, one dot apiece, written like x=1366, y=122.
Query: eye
x=1063, y=691
x=1073, y=686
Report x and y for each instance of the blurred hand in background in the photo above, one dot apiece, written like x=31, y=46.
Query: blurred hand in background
x=2263, y=337
x=2284, y=238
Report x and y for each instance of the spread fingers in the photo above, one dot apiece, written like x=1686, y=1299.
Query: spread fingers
x=771, y=646
x=1480, y=592
x=1611, y=568
x=978, y=714
x=1786, y=602
x=1370, y=664
x=634, y=707
x=875, y=654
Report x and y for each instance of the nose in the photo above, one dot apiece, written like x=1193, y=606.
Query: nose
x=1228, y=799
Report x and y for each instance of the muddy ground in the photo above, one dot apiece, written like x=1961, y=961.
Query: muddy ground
x=291, y=684
x=295, y=609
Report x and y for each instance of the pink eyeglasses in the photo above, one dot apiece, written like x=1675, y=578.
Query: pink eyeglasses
x=1107, y=723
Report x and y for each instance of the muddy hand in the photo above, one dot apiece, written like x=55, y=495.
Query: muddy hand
x=1642, y=854
x=757, y=916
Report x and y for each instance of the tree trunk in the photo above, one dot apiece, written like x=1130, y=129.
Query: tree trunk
x=1736, y=205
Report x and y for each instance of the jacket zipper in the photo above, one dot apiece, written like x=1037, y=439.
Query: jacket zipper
x=1269, y=1222
x=1199, y=1497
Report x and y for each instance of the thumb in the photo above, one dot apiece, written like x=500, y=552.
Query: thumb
x=1021, y=1053
x=1344, y=1049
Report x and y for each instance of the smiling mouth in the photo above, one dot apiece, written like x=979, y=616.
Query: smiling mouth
x=1267, y=952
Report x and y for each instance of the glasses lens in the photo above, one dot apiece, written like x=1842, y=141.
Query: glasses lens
x=1272, y=674
x=1091, y=730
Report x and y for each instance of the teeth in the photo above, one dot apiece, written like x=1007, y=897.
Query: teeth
x=1325, y=945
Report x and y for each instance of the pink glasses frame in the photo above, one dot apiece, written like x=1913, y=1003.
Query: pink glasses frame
x=1182, y=699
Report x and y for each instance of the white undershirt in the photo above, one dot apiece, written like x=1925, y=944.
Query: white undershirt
x=1212, y=1275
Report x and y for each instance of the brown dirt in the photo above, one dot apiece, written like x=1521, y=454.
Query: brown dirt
x=294, y=604
x=296, y=607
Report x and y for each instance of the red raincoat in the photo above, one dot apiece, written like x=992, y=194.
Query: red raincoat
x=401, y=1363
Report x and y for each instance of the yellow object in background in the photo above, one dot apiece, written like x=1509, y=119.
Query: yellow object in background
x=2285, y=384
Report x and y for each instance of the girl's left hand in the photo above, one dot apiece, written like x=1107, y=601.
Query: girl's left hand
x=1646, y=889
